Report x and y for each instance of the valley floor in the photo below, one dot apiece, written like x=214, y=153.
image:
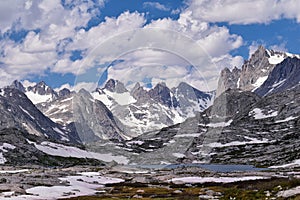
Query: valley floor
x=127, y=182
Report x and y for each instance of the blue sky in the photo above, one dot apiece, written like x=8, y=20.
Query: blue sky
x=53, y=40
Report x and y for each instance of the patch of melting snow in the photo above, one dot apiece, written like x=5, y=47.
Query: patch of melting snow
x=276, y=59
x=69, y=151
x=257, y=113
x=278, y=83
x=178, y=155
x=185, y=135
x=219, y=124
x=238, y=143
x=37, y=98
x=259, y=82
x=85, y=183
x=2, y=158
x=286, y=119
x=25, y=111
x=13, y=171
x=4, y=148
x=136, y=142
x=289, y=193
x=295, y=163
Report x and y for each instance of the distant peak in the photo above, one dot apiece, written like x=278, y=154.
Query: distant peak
x=183, y=85
x=17, y=85
x=161, y=84
x=261, y=48
x=41, y=83
x=115, y=86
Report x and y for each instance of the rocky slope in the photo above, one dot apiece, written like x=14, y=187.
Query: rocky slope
x=19, y=148
x=17, y=111
x=240, y=128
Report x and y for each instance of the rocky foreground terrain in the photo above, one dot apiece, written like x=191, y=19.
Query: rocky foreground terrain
x=146, y=182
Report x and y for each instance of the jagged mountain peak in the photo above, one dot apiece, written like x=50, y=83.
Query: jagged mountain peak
x=115, y=86
x=161, y=94
x=64, y=92
x=252, y=73
x=17, y=85
x=42, y=88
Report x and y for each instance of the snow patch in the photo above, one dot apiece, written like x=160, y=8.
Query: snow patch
x=37, y=98
x=187, y=135
x=259, y=82
x=178, y=155
x=25, y=111
x=121, y=98
x=219, y=124
x=278, y=83
x=257, y=113
x=238, y=143
x=286, y=119
x=295, y=163
x=4, y=148
x=136, y=142
x=276, y=59
x=68, y=151
x=85, y=184
x=289, y=193
x=13, y=171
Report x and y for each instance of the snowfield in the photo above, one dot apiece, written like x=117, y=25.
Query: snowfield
x=68, y=151
x=257, y=113
x=85, y=183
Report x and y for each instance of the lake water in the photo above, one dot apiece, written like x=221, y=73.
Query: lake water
x=211, y=167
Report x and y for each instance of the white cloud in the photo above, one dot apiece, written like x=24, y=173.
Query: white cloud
x=89, y=86
x=164, y=46
x=244, y=12
x=162, y=50
x=156, y=5
x=253, y=47
x=281, y=47
x=27, y=83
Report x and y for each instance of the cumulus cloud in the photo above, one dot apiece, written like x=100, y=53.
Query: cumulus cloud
x=165, y=46
x=281, y=47
x=165, y=49
x=244, y=12
x=156, y=5
x=89, y=86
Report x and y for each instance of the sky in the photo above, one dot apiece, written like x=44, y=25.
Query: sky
x=82, y=43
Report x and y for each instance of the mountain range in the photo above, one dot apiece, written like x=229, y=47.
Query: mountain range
x=252, y=118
